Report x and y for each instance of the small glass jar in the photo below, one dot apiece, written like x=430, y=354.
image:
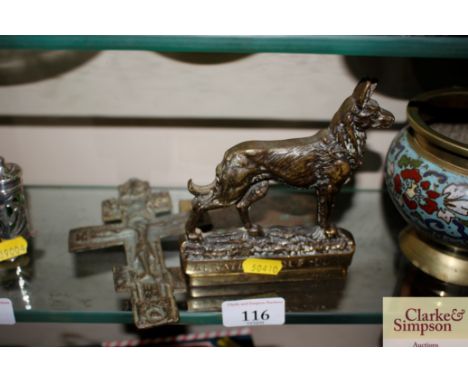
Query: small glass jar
x=13, y=206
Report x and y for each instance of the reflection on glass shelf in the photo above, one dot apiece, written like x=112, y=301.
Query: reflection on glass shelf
x=53, y=285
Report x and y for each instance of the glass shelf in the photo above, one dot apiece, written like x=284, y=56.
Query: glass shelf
x=53, y=285
x=392, y=46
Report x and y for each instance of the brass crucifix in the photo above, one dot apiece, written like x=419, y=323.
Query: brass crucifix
x=136, y=221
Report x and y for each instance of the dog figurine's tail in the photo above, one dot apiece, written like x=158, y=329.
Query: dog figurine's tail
x=200, y=190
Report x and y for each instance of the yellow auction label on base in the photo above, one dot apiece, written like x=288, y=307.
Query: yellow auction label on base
x=262, y=266
x=13, y=248
x=425, y=321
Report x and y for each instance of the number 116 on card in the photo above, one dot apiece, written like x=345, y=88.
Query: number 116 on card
x=262, y=311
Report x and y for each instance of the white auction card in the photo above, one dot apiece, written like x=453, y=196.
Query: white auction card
x=7, y=315
x=254, y=312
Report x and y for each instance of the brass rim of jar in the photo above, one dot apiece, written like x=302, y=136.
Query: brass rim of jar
x=421, y=127
x=444, y=262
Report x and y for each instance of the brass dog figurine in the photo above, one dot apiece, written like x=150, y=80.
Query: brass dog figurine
x=322, y=162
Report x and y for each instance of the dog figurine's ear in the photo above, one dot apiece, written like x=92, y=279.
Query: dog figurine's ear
x=363, y=91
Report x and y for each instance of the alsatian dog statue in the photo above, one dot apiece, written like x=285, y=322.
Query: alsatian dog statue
x=322, y=162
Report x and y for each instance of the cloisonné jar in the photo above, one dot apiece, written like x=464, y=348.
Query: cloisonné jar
x=427, y=178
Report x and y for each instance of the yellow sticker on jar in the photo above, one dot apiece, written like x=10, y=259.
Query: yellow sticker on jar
x=262, y=266
x=12, y=248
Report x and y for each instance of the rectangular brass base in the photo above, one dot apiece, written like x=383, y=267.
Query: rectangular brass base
x=300, y=296
x=286, y=275
x=312, y=276
x=305, y=254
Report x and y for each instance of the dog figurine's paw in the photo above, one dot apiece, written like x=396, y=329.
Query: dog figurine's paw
x=331, y=232
x=255, y=230
x=196, y=235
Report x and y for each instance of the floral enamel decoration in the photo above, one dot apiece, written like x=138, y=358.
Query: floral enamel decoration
x=417, y=193
x=455, y=202
x=427, y=195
